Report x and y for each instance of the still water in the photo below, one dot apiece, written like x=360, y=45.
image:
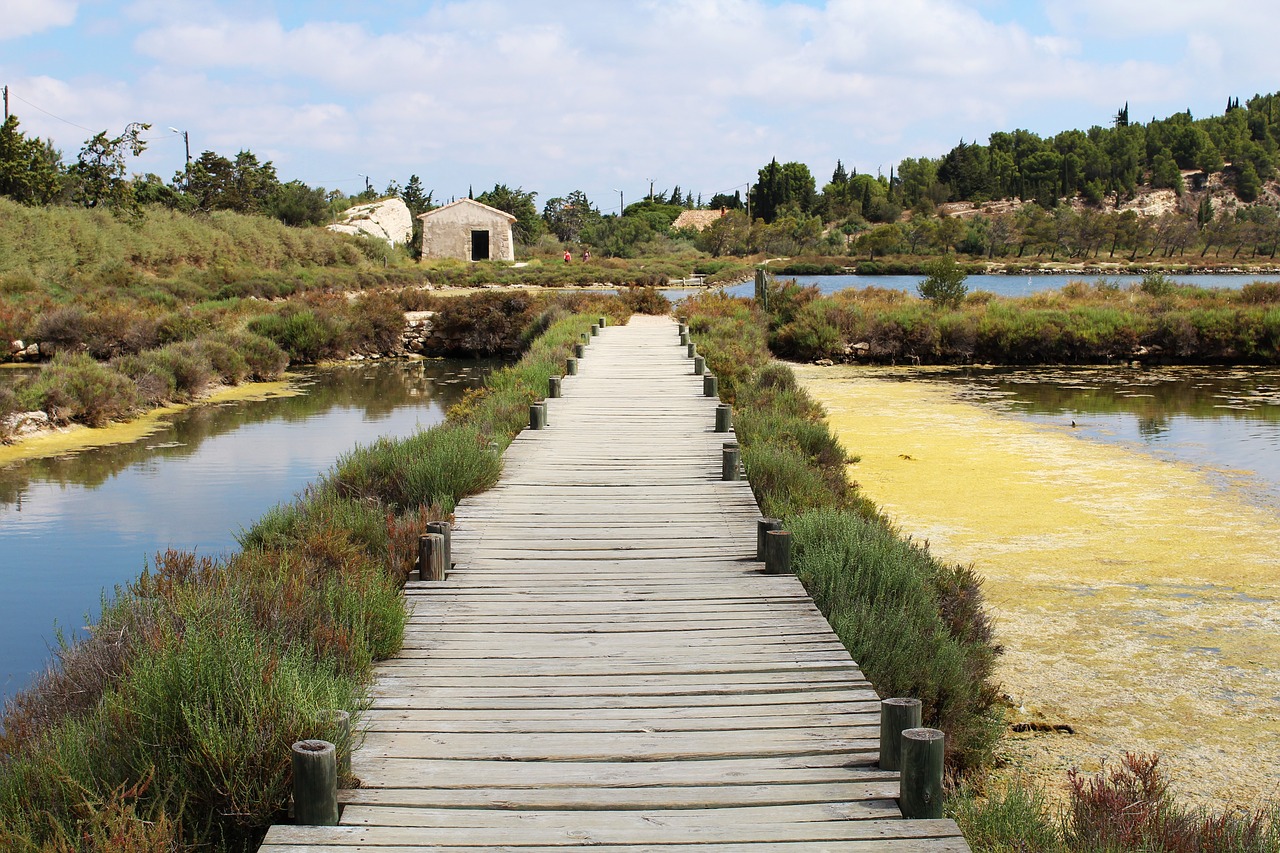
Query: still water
x=1001, y=285
x=76, y=525
x=1225, y=420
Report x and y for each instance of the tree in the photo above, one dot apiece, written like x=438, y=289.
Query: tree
x=779, y=185
x=529, y=225
x=216, y=183
x=944, y=283
x=414, y=198
x=30, y=169
x=297, y=204
x=567, y=217
x=100, y=172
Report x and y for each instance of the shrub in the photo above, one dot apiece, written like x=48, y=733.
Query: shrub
x=74, y=387
x=9, y=407
x=645, y=300
x=303, y=334
x=944, y=282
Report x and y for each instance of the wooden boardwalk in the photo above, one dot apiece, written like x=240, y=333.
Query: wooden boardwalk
x=607, y=666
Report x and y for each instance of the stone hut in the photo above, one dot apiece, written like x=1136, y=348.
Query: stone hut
x=469, y=231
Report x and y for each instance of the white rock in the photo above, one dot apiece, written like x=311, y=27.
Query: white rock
x=16, y=346
x=387, y=220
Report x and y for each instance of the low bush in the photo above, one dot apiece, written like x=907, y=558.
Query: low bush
x=303, y=333
x=74, y=387
x=641, y=299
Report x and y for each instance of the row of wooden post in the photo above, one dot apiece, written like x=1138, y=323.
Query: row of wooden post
x=318, y=765
x=905, y=745
x=539, y=417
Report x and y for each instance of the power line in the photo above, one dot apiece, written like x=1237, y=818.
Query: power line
x=46, y=112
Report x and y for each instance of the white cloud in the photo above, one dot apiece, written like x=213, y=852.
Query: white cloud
x=27, y=17
x=570, y=94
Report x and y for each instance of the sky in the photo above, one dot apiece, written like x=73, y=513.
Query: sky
x=604, y=96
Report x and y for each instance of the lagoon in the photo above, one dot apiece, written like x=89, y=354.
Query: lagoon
x=75, y=526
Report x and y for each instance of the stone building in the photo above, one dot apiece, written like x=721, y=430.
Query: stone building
x=469, y=231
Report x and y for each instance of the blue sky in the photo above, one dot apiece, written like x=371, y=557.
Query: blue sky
x=600, y=95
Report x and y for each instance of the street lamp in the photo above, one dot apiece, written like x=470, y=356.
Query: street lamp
x=622, y=205
x=368, y=186
x=186, y=141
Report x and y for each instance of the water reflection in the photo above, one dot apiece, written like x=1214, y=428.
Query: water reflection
x=1224, y=418
x=74, y=525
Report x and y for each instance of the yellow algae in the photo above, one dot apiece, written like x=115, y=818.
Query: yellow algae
x=1136, y=597
x=76, y=438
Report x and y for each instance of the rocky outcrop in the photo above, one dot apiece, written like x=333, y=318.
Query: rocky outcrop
x=387, y=220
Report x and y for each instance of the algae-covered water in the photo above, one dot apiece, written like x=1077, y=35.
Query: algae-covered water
x=82, y=519
x=1131, y=560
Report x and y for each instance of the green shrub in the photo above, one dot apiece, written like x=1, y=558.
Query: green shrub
x=74, y=387
x=645, y=300
x=303, y=334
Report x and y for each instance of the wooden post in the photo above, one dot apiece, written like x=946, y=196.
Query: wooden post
x=579, y=350
x=537, y=416
x=920, y=789
x=699, y=365
x=585, y=338
x=340, y=721
x=777, y=552
x=730, y=460
x=445, y=530
x=691, y=349
x=315, y=783
x=684, y=340
x=553, y=386
x=682, y=329
x=595, y=329
x=896, y=716
x=603, y=321
x=710, y=385
x=431, y=565
x=763, y=526
x=762, y=289
x=571, y=366
x=724, y=417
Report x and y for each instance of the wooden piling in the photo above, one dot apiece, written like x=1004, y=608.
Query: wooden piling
x=537, y=416
x=602, y=322
x=595, y=329
x=682, y=328
x=553, y=386
x=710, y=385
x=571, y=366
x=579, y=350
x=340, y=722
x=763, y=526
x=777, y=552
x=724, y=417
x=699, y=365
x=446, y=530
x=691, y=349
x=431, y=565
x=730, y=460
x=684, y=340
x=920, y=789
x=896, y=716
x=315, y=783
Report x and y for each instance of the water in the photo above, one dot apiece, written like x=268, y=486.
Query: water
x=1001, y=285
x=1224, y=419
x=74, y=526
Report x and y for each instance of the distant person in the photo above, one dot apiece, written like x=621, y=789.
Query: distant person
x=586, y=255
x=567, y=256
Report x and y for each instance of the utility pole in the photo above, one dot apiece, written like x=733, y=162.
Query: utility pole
x=186, y=143
x=6, y=103
x=651, y=191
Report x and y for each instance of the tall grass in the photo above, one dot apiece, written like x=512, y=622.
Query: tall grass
x=916, y=626
x=168, y=727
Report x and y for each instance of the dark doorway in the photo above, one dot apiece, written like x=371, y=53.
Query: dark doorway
x=479, y=245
